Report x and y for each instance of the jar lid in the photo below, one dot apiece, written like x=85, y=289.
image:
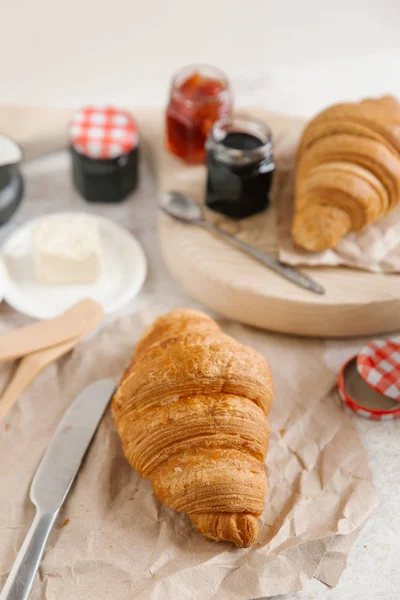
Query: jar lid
x=103, y=132
x=361, y=398
x=378, y=363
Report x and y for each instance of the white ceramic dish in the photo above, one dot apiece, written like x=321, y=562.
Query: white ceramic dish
x=124, y=272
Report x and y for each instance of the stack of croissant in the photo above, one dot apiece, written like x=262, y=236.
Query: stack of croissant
x=348, y=171
x=191, y=411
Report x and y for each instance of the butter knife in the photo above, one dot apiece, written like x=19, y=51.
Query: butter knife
x=53, y=479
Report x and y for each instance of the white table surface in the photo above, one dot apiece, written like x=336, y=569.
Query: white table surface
x=287, y=56
x=290, y=56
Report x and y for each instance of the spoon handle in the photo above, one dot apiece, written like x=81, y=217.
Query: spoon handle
x=285, y=271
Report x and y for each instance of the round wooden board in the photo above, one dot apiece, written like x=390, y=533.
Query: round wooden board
x=235, y=285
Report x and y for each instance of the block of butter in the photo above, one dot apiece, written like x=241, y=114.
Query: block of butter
x=67, y=250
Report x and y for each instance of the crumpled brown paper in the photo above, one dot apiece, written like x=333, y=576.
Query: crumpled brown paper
x=376, y=248
x=114, y=540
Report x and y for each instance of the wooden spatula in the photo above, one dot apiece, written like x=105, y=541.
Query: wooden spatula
x=34, y=363
x=44, y=334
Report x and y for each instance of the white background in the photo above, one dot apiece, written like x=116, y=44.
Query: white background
x=290, y=55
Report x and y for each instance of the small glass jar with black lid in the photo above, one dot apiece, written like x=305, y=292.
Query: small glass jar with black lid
x=104, y=147
x=240, y=167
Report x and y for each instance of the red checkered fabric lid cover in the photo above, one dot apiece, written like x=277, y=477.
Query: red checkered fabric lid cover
x=379, y=365
x=103, y=132
x=353, y=395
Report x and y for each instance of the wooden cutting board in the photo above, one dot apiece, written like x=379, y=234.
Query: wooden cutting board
x=235, y=285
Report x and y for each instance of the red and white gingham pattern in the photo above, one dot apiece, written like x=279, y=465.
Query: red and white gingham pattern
x=379, y=365
x=373, y=414
x=103, y=132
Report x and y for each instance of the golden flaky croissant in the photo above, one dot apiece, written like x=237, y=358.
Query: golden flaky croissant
x=191, y=411
x=348, y=171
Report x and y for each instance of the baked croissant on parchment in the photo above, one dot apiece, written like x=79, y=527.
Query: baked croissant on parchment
x=348, y=171
x=191, y=411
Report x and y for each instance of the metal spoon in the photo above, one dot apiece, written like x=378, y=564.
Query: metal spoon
x=181, y=207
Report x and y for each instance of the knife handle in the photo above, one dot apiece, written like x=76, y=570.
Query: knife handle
x=22, y=574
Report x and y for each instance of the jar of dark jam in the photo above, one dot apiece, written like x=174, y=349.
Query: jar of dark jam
x=105, y=153
x=200, y=95
x=11, y=183
x=240, y=167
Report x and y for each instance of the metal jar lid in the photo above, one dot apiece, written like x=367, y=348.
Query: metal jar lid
x=378, y=363
x=103, y=132
x=363, y=399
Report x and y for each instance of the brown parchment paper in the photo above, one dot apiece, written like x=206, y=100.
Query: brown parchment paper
x=376, y=248
x=114, y=540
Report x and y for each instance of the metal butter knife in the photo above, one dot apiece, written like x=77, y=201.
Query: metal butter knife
x=53, y=479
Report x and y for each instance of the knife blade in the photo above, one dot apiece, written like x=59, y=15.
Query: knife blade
x=53, y=479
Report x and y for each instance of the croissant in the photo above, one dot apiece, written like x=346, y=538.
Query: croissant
x=191, y=411
x=348, y=171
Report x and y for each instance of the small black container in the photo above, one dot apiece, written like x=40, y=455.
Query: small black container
x=104, y=147
x=11, y=183
x=240, y=167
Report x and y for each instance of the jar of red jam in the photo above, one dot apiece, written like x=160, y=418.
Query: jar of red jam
x=200, y=96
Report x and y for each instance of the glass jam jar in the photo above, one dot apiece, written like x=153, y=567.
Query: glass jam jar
x=200, y=95
x=240, y=167
x=104, y=148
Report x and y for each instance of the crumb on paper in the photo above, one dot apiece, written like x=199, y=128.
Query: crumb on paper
x=365, y=546
x=282, y=431
x=134, y=494
x=65, y=522
x=7, y=427
x=111, y=546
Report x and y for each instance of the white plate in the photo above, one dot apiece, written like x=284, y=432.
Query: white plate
x=124, y=272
